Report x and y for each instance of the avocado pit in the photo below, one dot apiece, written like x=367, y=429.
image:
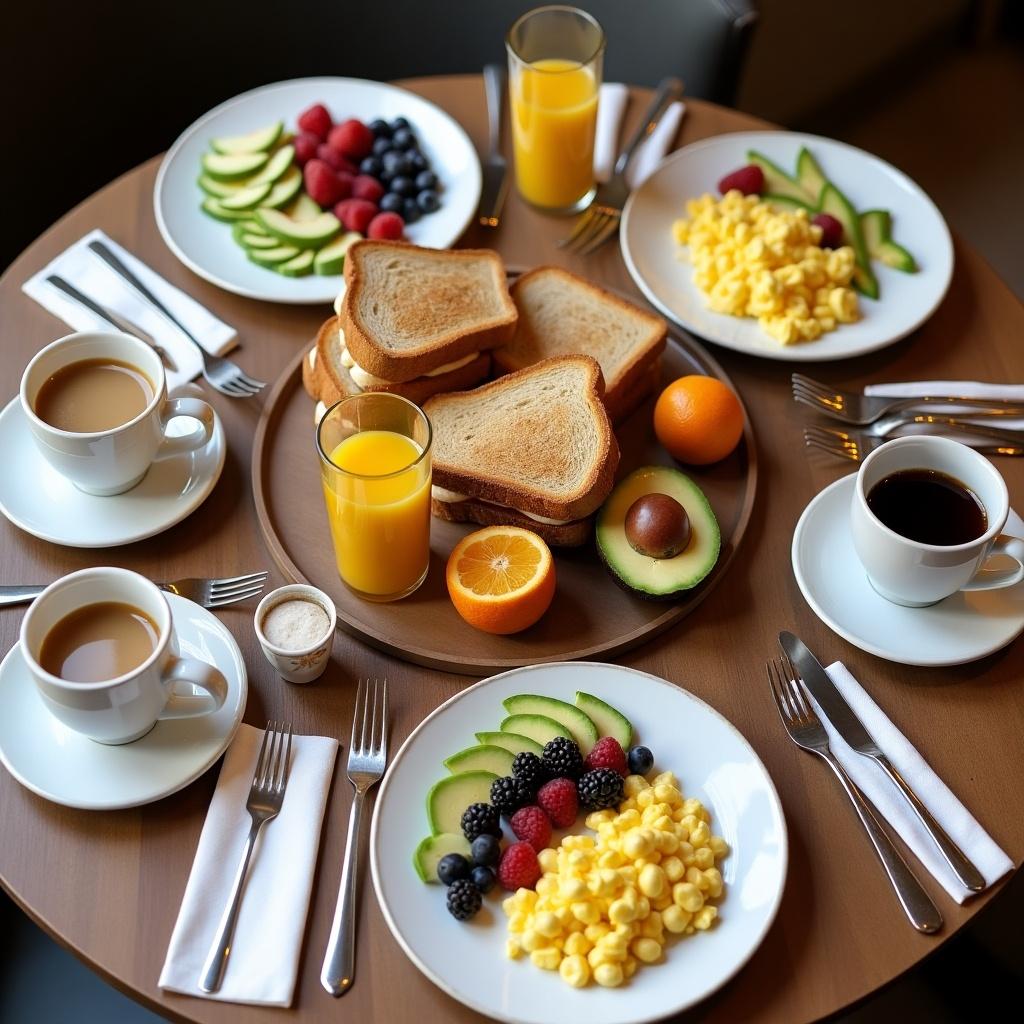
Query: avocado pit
x=657, y=526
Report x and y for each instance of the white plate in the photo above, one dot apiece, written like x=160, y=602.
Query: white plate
x=67, y=768
x=962, y=628
x=467, y=960
x=36, y=498
x=906, y=300
x=205, y=245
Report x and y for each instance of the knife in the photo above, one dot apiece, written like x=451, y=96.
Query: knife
x=495, y=169
x=852, y=730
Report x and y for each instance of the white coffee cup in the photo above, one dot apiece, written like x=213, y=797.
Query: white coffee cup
x=125, y=708
x=910, y=573
x=111, y=461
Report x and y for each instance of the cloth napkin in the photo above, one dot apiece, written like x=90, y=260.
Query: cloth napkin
x=959, y=388
x=268, y=938
x=958, y=822
x=90, y=275
x=611, y=105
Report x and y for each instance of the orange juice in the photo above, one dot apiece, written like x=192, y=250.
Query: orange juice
x=554, y=117
x=379, y=511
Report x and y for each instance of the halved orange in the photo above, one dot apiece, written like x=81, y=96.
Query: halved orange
x=501, y=579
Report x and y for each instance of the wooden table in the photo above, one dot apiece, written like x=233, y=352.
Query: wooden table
x=108, y=886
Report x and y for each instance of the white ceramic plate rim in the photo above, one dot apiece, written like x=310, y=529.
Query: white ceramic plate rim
x=634, y=1016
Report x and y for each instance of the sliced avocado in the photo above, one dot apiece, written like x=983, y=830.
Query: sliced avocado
x=787, y=202
x=609, y=721
x=331, y=258
x=449, y=798
x=835, y=203
x=247, y=240
x=306, y=234
x=276, y=166
x=257, y=141
x=539, y=728
x=268, y=257
x=658, y=577
x=512, y=742
x=247, y=198
x=776, y=181
x=297, y=266
x=581, y=728
x=484, y=758
x=809, y=174
x=876, y=226
x=232, y=166
x=304, y=208
x=219, y=189
x=285, y=189
x=433, y=848
x=213, y=207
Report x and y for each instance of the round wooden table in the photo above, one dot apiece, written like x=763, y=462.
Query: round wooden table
x=108, y=885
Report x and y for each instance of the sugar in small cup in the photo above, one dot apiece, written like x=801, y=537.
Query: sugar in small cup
x=300, y=664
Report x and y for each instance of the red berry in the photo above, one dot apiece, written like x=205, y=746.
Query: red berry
x=606, y=753
x=749, y=180
x=518, y=868
x=335, y=160
x=321, y=183
x=386, y=225
x=831, y=230
x=305, y=147
x=356, y=214
x=352, y=138
x=365, y=187
x=559, y=801
x=528, y=823
x=316, y=120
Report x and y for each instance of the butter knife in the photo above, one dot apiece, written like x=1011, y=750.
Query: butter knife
x=495, y=169
x=852, y=730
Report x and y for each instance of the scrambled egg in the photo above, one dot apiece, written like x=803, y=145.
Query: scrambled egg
x=753, y=259
x=606, y=904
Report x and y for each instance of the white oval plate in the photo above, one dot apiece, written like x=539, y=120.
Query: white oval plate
x=662, y=271
x=467, y=960
x=205, y=245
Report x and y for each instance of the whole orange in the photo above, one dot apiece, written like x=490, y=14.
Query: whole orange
x=698, y=419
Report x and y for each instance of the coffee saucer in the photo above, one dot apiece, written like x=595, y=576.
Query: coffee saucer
x=36, y=498
x=67, y=768
x=962, y=628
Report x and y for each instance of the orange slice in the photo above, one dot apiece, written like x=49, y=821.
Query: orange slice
x=501, y=579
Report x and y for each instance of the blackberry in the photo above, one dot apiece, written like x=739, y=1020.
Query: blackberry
x=530, y=769
x=480, y=820
x=562, y=759
x=463, y=899
x=600, y=788
x=509, y=794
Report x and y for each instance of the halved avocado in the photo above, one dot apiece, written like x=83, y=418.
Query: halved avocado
x=658, y=577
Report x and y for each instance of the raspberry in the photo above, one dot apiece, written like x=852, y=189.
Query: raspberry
x=386, y=225
x=335, y=160
x=831, y=230
x=519, y=868
x=365, y=187
x=305, y=147
x=749, y=180
x=532, y=826
x=600, y=788
x=606, y=753
x=559, y=802
x=316, y=120
x=355, y=214
x=351, y=138
x=321, y=183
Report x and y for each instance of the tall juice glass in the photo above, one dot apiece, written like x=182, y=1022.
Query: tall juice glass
x=375, y=470
x=555, y=57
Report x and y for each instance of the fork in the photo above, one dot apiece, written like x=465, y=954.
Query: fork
x=856, y=445
x=807, y=732
x=266, y=794
x=367, y=757
x=601, y=219
x=221, y=374
x=209, y=593
x=860, y=410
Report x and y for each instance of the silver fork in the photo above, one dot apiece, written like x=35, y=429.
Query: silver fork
x=601, y=219
x=222, y=374
x=856, y=445
x=807, y=732
x=367, y=758
x=860, y=410
x=209, y=593
x=266, y=794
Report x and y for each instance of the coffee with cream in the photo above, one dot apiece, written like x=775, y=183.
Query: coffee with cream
x=93, y=395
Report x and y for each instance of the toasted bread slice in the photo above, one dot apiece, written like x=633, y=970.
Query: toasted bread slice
x=561, y=313
x=407, y=310
x=561, y=535
x=538, y=440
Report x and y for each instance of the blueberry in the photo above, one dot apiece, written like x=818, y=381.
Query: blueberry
x=381, y=146
x=410, y=211
x=391, y=160
x=402, y=185
x=403, y=139
x=452, y=866
x=482, y=878
x=390, y=202
x=399, y=122
x=417, y=161
x=371, y=165
x=428, y=201
x=486, y=850
x=380, y=128
x=426, y=179
x=641, y=761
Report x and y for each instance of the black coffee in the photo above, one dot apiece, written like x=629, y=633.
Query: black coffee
x=929, y=507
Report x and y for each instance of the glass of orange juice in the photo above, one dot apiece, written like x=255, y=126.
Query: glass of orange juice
x=375, y=470
x=555, y=56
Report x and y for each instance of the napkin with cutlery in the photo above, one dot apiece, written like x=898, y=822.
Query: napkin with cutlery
x=91, y=276
x=950, y=813
x=611, y=105
x=264, y=959
x=958, y=389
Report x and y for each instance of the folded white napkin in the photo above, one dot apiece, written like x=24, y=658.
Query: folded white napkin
x=611, y=105
x=91, y=276
x=268, y=938
x=962, y=828
x=956, y=389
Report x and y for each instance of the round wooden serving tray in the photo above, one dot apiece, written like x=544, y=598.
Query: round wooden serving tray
x=590, y=616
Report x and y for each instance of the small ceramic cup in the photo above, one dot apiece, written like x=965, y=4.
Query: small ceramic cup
x=301, y=664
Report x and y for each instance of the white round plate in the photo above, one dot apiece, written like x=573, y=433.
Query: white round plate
x=36, y=498
x=962, y=628
x=67, y=768
x=205, y=245
x=467, y=960
x=662, y=271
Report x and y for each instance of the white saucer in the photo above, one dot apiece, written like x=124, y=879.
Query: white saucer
x=36, y=498
x=962, y=628
x=67, y=768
